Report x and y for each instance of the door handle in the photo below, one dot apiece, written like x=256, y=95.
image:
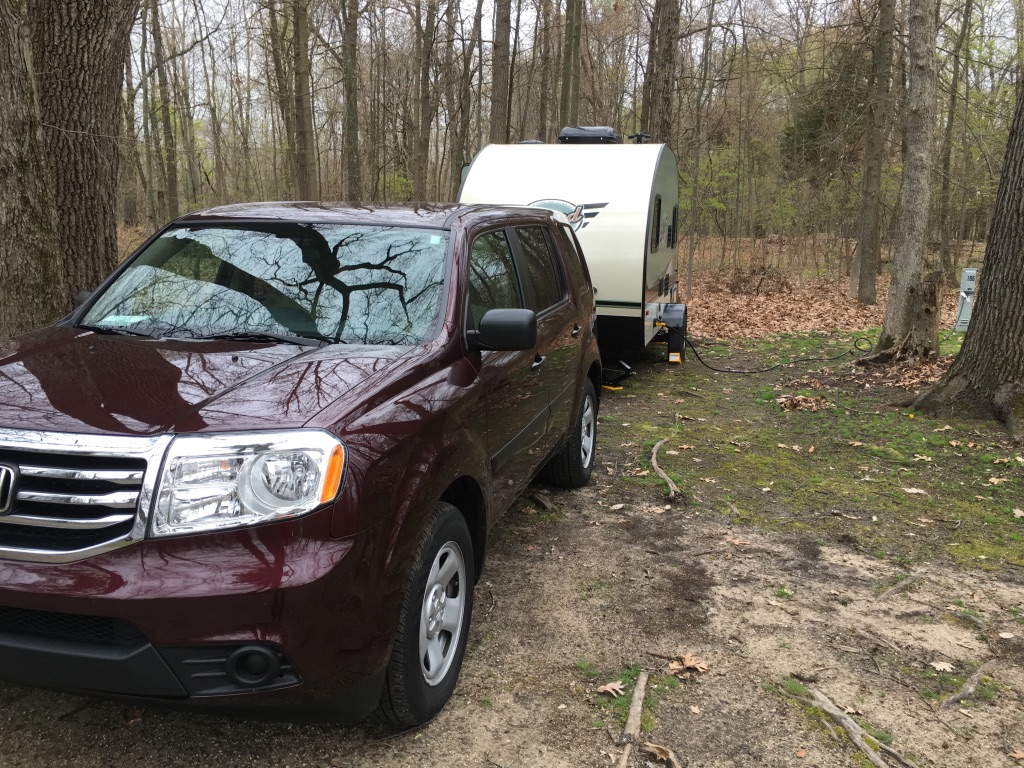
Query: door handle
x=538, y=361
x=575, y=330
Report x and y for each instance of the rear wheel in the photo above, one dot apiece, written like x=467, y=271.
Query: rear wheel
x=572, y=467
x=431, y=638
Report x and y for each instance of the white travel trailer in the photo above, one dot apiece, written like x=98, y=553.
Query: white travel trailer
x=623, y=203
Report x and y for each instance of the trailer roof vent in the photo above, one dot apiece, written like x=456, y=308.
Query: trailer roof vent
x=593, y=134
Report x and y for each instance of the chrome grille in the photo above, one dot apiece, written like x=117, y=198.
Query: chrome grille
x=74, y=495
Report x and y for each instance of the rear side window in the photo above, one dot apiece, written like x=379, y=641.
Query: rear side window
x=656, y=224
x=542, y=264
x=577, y=272
x=492, y=277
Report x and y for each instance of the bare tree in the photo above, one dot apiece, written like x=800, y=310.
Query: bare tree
x=500, y=71
x=866, y=260
x=902, y=330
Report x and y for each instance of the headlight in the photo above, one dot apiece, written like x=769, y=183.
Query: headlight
x=226, y=481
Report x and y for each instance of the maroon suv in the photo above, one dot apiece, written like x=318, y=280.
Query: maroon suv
x=259, y=464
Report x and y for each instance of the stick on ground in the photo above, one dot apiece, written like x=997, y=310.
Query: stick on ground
x=636, y=706
x=969, y=687
x=673, y=489
x=857, y=734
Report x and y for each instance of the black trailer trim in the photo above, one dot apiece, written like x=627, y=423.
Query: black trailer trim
x=627, y=304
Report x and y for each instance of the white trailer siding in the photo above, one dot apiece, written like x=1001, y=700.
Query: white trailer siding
x=611, y=194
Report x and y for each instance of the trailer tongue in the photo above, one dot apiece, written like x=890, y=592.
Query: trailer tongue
x=622, y=201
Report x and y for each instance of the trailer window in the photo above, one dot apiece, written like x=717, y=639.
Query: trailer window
x=656, y=224
x=492, y=277
x=541, y=263
x=673, y=232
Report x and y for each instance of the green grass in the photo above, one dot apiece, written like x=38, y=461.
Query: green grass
x=858, y=487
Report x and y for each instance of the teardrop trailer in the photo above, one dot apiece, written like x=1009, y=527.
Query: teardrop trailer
x=623, y=203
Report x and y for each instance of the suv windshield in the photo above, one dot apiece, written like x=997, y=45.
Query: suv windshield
x=348, y=283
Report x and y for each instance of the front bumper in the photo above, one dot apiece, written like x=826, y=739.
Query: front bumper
x=279, y=615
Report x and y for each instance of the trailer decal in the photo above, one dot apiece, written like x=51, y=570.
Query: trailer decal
x=578, y=215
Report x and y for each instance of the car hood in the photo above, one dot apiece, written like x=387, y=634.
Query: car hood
x=71, y=380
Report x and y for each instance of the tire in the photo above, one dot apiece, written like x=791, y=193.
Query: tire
x=573, y=465
x=433, y=626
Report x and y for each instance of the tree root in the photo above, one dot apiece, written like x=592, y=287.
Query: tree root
x=673, y=489
x=861, y=738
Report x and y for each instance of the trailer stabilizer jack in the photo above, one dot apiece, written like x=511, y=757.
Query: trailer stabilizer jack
x=615, y=375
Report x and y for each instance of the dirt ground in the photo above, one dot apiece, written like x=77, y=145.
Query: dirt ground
x=590, y=586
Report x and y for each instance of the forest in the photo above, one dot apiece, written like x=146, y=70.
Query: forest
x=766, y=105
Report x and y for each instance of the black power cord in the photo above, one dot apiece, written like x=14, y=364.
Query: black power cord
x=858, y=347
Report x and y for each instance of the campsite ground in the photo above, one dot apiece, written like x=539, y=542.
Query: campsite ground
x=825, y=537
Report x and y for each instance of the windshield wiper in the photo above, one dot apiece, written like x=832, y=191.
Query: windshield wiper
x=279, y=338
x=106, y=329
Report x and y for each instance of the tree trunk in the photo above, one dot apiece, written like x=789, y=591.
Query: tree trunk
x=867, y=258
x=284, y=81
x=660, y=78
x=170, y=155
x=350, y=86
x=78, y=50
x=987, y=377
x=899, y=329
x=568, y=103
x=500, y=70
x=33, y=290
x=305, y=139
x=946, y=156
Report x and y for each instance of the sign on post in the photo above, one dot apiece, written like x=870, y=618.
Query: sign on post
x=963, y=310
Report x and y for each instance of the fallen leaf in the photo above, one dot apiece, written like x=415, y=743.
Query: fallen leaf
x=811, y=449
x=561, y=706
x=1018, y=513
x=134, y=716
x=915, y=490
x=709, y=480
x=998, y=480
x=924, y=520
x=692, y=662
x=686, y=447
x=659, y=752
x=941, y=666
x=921, y=457
x=1001, y=461
x=1007, y=635
x=615, y=689
x=856, y=444
x=616, y=507
x=1017, y=754
x=801, y=753
x=695, y=709
x=955, y=443
x=737, y=542
x=946, y=428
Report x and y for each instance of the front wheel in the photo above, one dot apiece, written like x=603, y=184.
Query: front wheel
x=431, y=638
x=572, y=467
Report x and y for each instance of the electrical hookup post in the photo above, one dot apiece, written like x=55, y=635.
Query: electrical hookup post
x=968, y=279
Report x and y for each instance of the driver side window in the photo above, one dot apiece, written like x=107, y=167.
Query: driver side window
x=493, y=283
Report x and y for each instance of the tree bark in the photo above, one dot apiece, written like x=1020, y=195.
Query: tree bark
x=32, y=285
x=867, y=257
x=500, y=71
x=899, y=329
x=350, y=86
x=987, y=377
x=946, y=156
x=660, y=78
x=78, y=50
x=306, y=183
x=170, y=153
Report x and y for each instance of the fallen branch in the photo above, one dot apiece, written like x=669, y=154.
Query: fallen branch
x=857, y=734
x=903, y=585
x=878, y=640
x=662, y=753
x=970, y=686
x=632, y=729
x=673, y=490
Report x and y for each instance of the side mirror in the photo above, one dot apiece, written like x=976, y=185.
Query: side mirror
x=81, y=297
x=505, y=330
